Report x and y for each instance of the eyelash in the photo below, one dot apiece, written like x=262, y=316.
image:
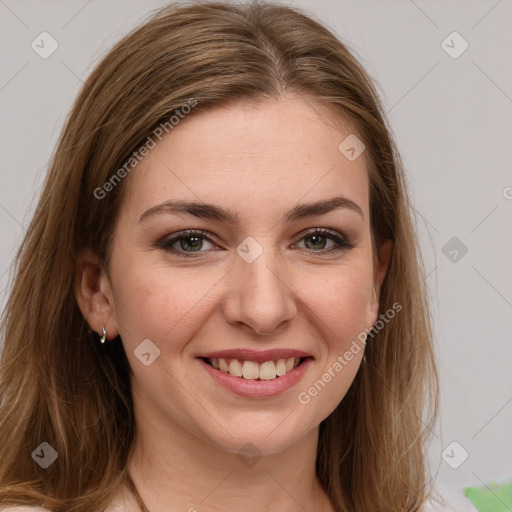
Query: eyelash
x=167, y=243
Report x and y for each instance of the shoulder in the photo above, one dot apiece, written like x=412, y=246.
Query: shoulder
x=23, y=508
x=122, y=501
x=448, y=502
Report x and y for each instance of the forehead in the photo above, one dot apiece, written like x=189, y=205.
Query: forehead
x=264, y=155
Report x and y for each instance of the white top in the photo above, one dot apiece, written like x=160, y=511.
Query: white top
x=31, y=508
x=24, y=508
x=455, y=501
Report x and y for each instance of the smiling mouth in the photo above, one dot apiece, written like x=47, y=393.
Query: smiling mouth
x=251, y=370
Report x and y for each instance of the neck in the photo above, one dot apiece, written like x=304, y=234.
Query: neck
x=174, y=470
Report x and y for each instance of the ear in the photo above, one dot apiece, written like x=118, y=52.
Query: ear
x=384, y=257
x=93, y=292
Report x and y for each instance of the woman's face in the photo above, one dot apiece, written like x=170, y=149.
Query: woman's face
x=258, y=277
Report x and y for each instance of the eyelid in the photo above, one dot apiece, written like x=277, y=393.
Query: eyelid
x=167, y=242
x=339, y=238
x=323, y=231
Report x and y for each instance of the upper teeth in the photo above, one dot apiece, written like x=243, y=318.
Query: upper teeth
x=253, y=370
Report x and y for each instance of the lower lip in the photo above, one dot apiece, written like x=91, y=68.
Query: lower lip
x=252, y=388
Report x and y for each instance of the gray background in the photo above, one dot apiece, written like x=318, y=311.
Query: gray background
x=452, y=121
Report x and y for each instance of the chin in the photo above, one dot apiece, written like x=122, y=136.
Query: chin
x=254, y=435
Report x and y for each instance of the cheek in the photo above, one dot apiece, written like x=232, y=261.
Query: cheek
x=340, y=302
x=340, y=309
x=158, y=303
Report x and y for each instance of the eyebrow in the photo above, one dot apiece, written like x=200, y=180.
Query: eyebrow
x=214, y=212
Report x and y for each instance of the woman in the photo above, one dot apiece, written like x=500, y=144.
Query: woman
x=219, y=303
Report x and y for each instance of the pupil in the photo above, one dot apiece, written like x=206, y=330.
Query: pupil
x=195, y=244
x=317, y=237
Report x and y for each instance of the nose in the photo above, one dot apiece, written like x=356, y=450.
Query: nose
x=260, y=296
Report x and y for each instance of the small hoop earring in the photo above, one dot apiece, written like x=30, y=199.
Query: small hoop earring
x=104, y=335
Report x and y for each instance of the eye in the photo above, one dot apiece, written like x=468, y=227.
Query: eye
x=189, y=243
x=319, y=237
x=186, y=242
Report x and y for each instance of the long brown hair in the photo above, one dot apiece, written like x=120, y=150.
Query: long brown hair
x=59, y=385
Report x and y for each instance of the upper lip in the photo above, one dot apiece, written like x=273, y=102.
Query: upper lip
x=258, y=356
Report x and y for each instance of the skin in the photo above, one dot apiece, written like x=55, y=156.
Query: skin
x=260, y=160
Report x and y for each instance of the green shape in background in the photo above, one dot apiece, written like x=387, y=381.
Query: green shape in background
x=494, y=498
